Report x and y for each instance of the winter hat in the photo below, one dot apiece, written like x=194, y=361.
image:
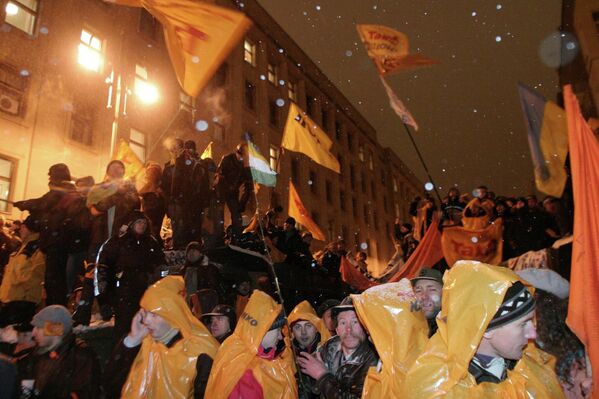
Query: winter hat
x=326, y=305
x=345, y=305
x=222, y=310
x=54, y=319
x=429, y=274
x=278, y=323
x=113, y=162
x=33, y=224
x=517, y=302
x=194, y=245
x=59, y=172
x=546, y=280
x=136, y=215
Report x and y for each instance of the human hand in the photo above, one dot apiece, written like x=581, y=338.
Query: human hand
x=138, y=329
x=312, y=365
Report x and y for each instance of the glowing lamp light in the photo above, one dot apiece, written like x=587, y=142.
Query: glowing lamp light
x=146, y=92
x=89, y=59
x=11, y=9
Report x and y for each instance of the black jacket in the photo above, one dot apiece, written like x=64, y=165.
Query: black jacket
x=72, y=368
x=231, y=175
x=345, y=377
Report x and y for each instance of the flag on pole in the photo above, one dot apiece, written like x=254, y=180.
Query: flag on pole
x=388, y=49
x=303, y=135
x=133, y=165
x=207, y=152
x=547, y=139
x=583, y=307
x=398, y=106
x=484, y=245
x=198, y=35
x=298, y=211
x=261, y=171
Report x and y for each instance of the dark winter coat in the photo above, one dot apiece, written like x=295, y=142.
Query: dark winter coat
x=71, y=369
x=345, y=377
x=231, y=175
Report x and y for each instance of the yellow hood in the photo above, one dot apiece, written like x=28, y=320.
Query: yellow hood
x=239, y=352
x=305, y=311
x=398, y=333
x=472, y=294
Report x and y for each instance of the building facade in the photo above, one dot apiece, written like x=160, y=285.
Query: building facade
x=71, y=74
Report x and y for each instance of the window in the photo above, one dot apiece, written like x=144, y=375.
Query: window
x=310, y=105
x=312, y=182
x=329, y=191
x=250, y=95
x=81, y=125
x=363, y=182
x=375, y=219
x=274, y=157
x=7, y=171
x=295, y=171
x=596, y=20
x=344, y=233
x=12, y=91
x=354, y=206
x=341, y=166
x=249, y=52
x=373, y=189
x=144, y=90
x=385, y=204
x=342, y=200
x=394, y=184
x=366, y=214
x=361, y=152
x=273, y=113
x=338, y=131
x=272, y=74
x=148, y=26
x=352, y=177
x=292, y=91
x=90, y=51
x=350, y=140
x=137, y=143
x=22, y=14
x=396, y=210
x=325, y=119
x=219, y=132
x=370, y=160
x=383, y=177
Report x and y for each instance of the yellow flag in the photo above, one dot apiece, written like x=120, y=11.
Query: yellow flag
x=388, y=49
x=198, y=35
x=298, y=211
x=303, y=135
x=207, y=152
x=124, y=153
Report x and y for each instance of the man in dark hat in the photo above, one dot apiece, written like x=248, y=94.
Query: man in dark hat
x=221, y=321
x=427, y=288
x=51, y=210
x=343, y=361
x=324, y=312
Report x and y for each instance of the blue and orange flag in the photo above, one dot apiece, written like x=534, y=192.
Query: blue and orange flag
x=548, y=140
x=198, y=35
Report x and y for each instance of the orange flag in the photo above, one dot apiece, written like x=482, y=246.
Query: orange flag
x=388, y=49
x=133, y=165
x=427, y=253
x=484, y=245
x=583, y=308
x=198, y=35
x=354, y=277
x=298, y=211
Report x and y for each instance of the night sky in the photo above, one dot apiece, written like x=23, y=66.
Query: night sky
x=471, y=126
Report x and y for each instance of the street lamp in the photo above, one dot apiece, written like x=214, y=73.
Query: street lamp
x=146, y=92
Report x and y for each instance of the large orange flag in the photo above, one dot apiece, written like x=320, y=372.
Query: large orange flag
x=583, y=309
x=198, y=35
x=298, y=211
x=354, y=277
x=427, y=253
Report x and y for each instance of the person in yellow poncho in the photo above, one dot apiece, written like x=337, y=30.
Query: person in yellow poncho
x=168, y=352
x=308, y=332
x=398, y=331
x=255, y=362
x=482, y=348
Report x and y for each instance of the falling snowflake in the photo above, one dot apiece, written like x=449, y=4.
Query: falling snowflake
x=201, y=125
x=498, y=38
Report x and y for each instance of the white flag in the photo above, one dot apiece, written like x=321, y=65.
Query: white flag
x=398, y=107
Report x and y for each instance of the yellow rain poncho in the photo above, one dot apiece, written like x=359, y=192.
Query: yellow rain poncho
x=398, y=333
x=239, y=353
x=305, y=311
x=160, y=372
x=472, y=294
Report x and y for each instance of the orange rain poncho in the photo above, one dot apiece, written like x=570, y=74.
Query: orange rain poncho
x=305, y=311
x=239, y=353
x=398, y=333
x=160, y=372
x=472, y=293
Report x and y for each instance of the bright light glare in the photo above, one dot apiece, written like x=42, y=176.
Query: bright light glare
x=146, y=92
x=11, y=9
x=89, y=58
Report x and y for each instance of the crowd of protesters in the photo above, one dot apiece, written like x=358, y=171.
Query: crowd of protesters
x=190, y=333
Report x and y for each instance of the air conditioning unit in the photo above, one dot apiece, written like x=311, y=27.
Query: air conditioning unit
x=10, y=105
